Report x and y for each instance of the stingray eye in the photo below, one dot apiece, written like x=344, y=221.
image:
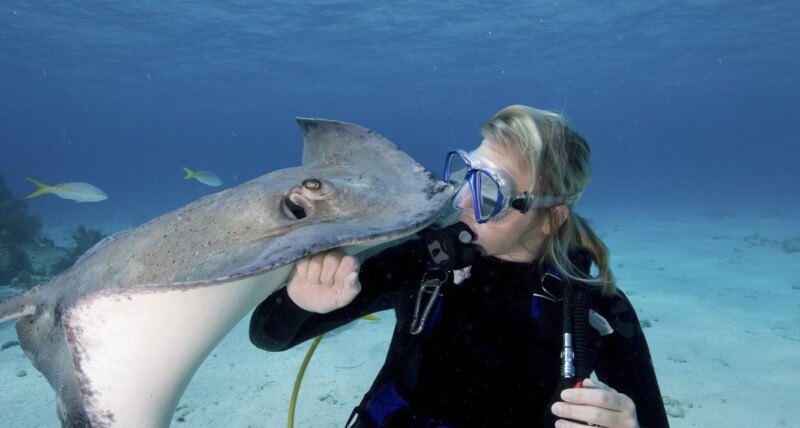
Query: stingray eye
x=312, y=184
x=315, y=190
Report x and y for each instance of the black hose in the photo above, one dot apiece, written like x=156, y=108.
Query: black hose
x=581, y=304
x=575, y=315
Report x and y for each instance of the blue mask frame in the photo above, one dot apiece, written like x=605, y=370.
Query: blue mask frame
x=487, y=207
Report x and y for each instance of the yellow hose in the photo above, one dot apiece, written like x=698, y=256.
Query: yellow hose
x=299, y=379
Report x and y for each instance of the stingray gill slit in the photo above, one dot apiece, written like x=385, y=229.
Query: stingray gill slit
x=295, y=207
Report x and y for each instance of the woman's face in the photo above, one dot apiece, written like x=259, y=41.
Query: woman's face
x=515, y=236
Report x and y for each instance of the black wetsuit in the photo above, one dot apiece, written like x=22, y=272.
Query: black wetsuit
x=489, y=355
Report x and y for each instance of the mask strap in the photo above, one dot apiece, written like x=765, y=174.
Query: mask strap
x=522, y=203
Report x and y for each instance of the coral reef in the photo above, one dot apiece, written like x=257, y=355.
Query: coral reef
x=13, y=262
x=16, y=225
x=788, y=245
x=791, y=245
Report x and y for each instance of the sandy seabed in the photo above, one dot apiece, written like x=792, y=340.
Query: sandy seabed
x=718, y=295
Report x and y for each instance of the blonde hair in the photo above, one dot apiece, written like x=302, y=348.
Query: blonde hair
x=559, y=161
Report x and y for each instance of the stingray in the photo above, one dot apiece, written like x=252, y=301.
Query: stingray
x=120, y=334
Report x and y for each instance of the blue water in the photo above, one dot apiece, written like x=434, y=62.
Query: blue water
x=688, y=105
x=691, y=107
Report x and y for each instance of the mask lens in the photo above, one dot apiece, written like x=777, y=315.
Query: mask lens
x=475, y=183
x=488, y=195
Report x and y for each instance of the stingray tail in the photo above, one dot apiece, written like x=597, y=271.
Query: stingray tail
x=19, y=305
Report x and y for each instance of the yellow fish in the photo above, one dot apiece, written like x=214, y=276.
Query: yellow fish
x=205, y=177
x=76, y=191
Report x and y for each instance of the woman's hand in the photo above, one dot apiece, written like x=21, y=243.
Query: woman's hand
x=596, y=404
x=325, y=281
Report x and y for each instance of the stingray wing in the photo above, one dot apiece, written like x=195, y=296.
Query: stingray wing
x=136, y=349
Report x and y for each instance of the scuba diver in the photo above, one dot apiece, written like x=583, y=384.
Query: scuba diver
x=500, y=322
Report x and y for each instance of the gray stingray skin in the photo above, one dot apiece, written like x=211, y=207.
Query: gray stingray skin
x=362, y=191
